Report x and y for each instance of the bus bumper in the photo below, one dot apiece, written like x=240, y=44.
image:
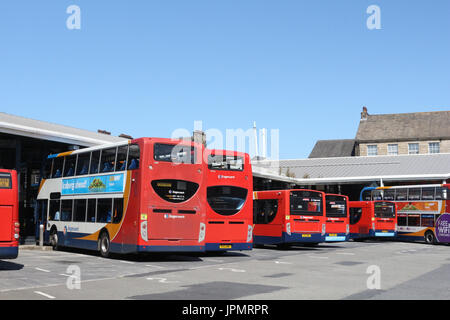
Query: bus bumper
x=336, y=237
x=383, y=233
x=228, y=246
x=303, y=237
x=170, y=249
x=9, y=252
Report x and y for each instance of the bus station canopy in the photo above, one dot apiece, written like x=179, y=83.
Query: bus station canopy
x=342, y=170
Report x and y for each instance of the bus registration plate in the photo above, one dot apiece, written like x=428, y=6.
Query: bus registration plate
x=306, y=236
x=225, y=246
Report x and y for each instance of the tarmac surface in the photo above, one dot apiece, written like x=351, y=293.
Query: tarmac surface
x=350, y=270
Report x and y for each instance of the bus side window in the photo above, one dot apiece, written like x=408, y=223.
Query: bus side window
x=79, y=210
x=58, y=164
x=104, y=207
x=95, y=159
x=428, y=193
x=91, y=207
x=66, y=210
x=265, y=210
x=133, y=157
x=69, y=167
x=118, y=210
x=121, y=163
x=401, y=194
x=355, y=215
x=108, y=160
x=47, y=169
x=83, y=163
x=54, y=212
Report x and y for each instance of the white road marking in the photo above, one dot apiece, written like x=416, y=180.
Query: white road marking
x=153, y=266
x=346, y=253
x=231, y=269
x=282, y=262
x=317, y=257
x=162, y=280
x=129, y=262
x=43, y=270
x=45, y=295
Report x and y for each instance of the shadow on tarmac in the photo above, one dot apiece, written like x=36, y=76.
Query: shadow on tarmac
x=10, y=266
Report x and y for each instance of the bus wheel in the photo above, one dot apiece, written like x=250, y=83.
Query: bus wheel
x=54, y=239
x=429, y=237
x=104, y=244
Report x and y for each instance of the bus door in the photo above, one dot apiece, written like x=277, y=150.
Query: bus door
x=6, y=207
x=268, y=215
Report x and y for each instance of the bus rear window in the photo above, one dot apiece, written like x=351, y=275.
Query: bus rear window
x=5, y=181
x=174, y=153
x=224, y=162
x=175, y=190
x=306, y=202
x=336, y=206
x=384, y=210
x=226, y=200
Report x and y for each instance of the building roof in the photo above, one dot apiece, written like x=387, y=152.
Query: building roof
x=404, y=126
x=333, y=148
x=21, y=126
x=361, y=169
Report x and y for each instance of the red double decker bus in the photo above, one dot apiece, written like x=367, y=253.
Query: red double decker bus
x=144, y=195
x=229, y=208
x=372, y=219
x=285, y=217
x=9, y=215
x=337, y=218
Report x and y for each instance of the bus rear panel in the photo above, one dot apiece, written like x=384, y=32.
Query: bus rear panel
x=229, y=206
x=372, y=219
x=289, y=217
x=337, y=221
x=9, y=215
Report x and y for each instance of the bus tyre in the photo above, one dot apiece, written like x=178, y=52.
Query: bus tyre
x=104, y=245
x=54, y=239
x=430, y=238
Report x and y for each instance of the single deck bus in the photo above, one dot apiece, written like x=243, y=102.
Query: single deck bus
x=144, y=195
x=9, y=215
x=420, y=209
x=229, y=209
x=372, y=219
x=337, y=218
x=285, y=217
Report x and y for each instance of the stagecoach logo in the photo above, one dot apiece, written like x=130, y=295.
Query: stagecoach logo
x=443, y=228
x=170, y=216
x=225, y=177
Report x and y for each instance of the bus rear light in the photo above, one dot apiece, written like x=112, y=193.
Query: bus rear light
x=288, y=228
x=16, y=224
x=144, y=231
x=323, y=229
x=16, y=236
x=249, y=233
x=201, y=235
x=347, y=229
x=373, y=226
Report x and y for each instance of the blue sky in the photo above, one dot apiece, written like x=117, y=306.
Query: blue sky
x=146, y=68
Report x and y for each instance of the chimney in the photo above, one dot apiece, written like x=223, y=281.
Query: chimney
x=123, y=135
x=104, y=132
x=199, y=136
x=364, y=114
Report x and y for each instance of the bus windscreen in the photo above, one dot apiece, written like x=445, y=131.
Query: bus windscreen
x=224, y=162
x=336, y=206
x=306, y=202
x=384, y=210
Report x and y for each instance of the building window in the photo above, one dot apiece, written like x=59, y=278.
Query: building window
x=392, y=149
x=413, y=148
x=372, y=150
x=433, y=147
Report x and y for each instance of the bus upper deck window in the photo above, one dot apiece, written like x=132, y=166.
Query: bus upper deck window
x=108, y=160
x=57, y=167
x=121, y=158
x=133, y=157
x=83, y=163
x=69, y=166
x=95, y=158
